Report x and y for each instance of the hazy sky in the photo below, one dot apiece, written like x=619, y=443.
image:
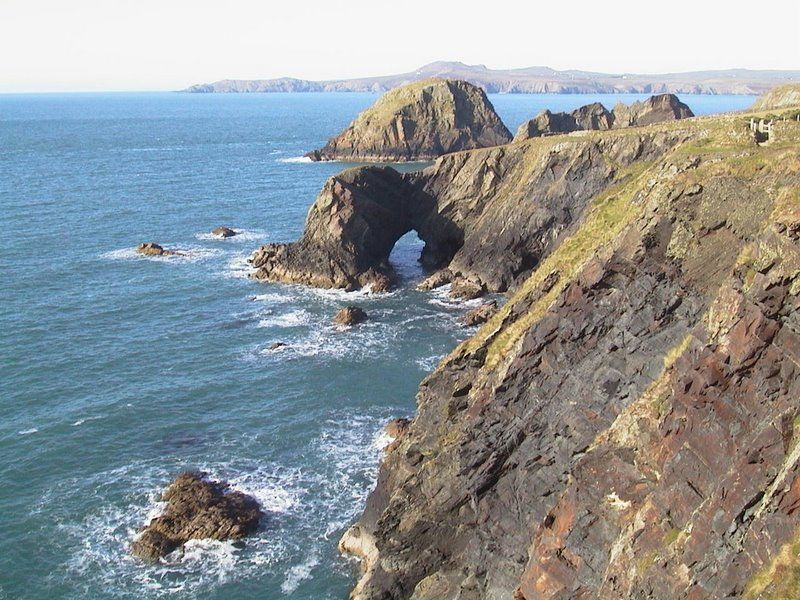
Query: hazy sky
x=168, y=44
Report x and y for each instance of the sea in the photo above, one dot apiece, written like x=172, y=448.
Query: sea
x=117, y=372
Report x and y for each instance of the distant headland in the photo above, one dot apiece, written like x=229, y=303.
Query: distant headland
x=530, y=80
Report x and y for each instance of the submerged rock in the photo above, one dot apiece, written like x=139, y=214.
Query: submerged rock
x=277, y=345
x=223, y=232
x=197, y=508
x=481, y=314
x=350, y=315
x=418, y=121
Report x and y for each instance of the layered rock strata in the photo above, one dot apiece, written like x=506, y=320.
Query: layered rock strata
x=419, y=121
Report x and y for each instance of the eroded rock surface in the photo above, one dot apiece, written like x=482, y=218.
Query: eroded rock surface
x=197, y=508
x=350, y=315
x=223, y=232
x=419, y=121
x=626, y=425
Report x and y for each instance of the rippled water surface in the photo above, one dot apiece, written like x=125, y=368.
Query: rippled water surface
x=119, y=371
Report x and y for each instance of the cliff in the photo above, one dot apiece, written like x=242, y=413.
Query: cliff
x=626, y=425
x=529, y=80
x=783, y=96
x=595, y=117
x=419, y=121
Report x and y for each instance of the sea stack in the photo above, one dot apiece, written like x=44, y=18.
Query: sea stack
x=419, y=121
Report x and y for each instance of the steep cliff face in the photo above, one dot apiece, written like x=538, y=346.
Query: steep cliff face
x=418, y=121
x=625, y=425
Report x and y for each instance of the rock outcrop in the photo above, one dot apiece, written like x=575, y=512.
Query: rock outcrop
x=480, y=314
x=350, y=315
x=196, y=508
x=626, y=426
x=419, y=121
x=595, y=117
x=656, y=109
x=783, y=96
x=153, y=249
x=223, y=232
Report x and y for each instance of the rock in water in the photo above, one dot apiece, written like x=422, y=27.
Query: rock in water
x=223, y=232
x=418, y=121
x=479, y=315
x=152, y=249
x=197, y=508
x=664, y=107
x=350, y=315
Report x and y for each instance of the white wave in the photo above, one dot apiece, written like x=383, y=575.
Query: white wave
x=185, y=254
x=294, y=318
x=429, y=363
x=242, y=235
x=30, y=431
x=238, y=267
x=295, y=159
x=298, y=573
x=441, y=297
x=273, y=298
x=80, y=422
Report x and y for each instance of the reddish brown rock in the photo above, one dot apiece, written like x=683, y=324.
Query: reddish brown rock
x=350, y=315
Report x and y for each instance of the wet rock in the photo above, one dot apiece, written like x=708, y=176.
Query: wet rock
x=481, y=314
x=466, y=289
x=153, y=249
x=277, y=345
x=223, y=232
x=197, y=508
x=420, y=120
x=435, y=280
x=350, y=315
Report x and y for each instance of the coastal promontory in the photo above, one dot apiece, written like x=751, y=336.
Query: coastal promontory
x=419, y=121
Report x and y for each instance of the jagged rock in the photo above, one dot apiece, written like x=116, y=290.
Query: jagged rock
x=197, y=508
x=277, y=345
x=153, y=249
x=223, y=232
x=590, y=117
x=421, y=120
x=480, y=314
x=656, y=109
x=350, y=315
x=595, y=117
x=396, y=428
x=437, y=279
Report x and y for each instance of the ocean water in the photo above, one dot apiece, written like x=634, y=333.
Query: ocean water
x=117, y=372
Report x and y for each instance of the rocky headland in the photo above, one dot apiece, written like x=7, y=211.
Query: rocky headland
x=419, y=121
x=784, y=96
x=626, y=424
x=595, y=117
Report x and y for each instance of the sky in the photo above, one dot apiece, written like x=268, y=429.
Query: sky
x=93, y=45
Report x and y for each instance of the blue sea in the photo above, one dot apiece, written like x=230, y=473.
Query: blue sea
x=117, y=372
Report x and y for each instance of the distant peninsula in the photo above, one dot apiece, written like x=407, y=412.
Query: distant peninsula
x=531, y=80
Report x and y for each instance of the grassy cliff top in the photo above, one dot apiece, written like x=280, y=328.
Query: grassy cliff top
x=783, y=96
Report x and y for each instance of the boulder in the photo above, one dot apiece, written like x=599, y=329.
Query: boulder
x=223, y=232
x=419, y=121
x=350, y=315
x=197, y=508
x=656, y=109
x=481, y=314
x=466, y=289
x=277, y=345
x=153, y=249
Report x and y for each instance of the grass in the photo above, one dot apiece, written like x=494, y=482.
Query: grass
x=780, y=579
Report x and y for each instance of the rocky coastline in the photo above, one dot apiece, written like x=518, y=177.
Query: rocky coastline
x=625, y=425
